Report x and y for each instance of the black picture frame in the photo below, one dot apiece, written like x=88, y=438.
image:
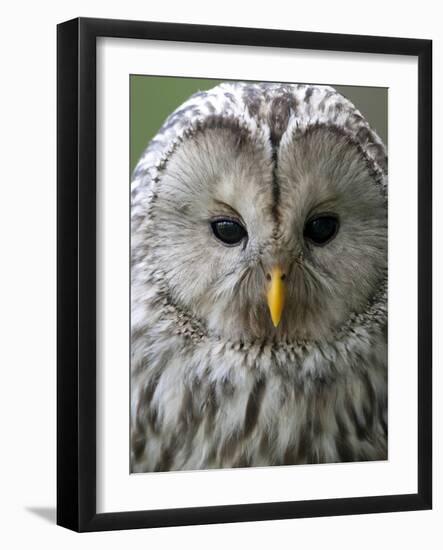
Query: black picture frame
x=76, y=280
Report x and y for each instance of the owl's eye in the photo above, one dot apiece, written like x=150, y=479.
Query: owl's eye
x=228, y=231
x=321, y=229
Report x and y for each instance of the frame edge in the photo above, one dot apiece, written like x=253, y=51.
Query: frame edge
x=67, y=278
x=424, y=359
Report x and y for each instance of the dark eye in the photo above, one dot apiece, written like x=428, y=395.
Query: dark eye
x=228, y=231
x=321, y=229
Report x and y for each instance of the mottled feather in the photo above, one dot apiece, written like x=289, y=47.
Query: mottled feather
x=213, y=383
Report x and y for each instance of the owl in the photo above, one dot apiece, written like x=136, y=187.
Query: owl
x=259, y=283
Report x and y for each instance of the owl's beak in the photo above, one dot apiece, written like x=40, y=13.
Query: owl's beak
x=276, y=294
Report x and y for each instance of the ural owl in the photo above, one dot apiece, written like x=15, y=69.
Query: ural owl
x=259, y=283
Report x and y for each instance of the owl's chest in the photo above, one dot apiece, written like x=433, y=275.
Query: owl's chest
x=216, y=409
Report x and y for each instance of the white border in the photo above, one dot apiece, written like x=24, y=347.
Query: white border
x=116, y=489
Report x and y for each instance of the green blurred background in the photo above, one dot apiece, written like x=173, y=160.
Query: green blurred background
x=153, y=98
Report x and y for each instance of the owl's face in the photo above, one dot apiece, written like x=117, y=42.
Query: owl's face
x=263, y=240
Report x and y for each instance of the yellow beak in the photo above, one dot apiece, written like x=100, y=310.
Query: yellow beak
x=276, y=295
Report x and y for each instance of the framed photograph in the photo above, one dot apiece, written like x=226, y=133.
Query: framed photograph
x=244, y=282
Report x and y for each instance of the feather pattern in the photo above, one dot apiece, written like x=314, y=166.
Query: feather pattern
x=213, y=385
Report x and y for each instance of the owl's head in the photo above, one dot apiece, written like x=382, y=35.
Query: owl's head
x=264, y=208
